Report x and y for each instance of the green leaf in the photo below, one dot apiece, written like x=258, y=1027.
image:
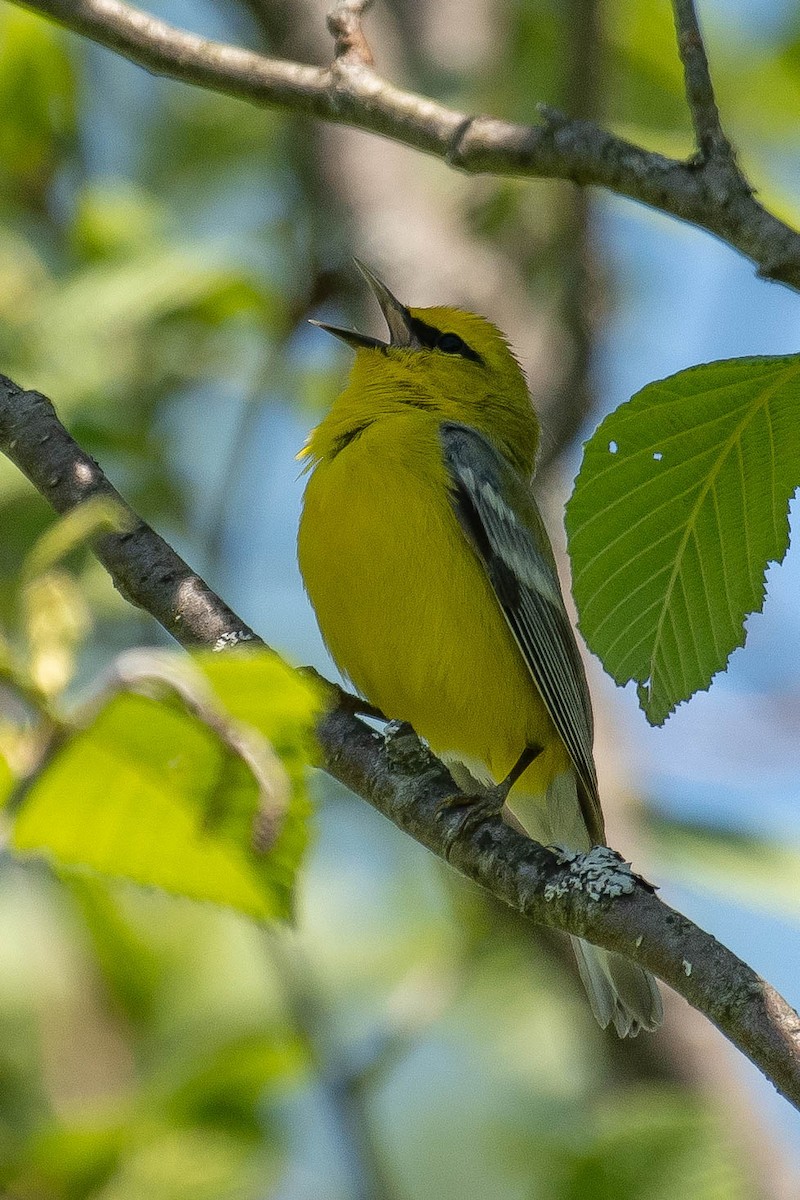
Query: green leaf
x=56, y=620
x=7, y=777
x=680, y=505
x=150, y=793
x=127, y=960
x=258, y=689
x=72, y=1163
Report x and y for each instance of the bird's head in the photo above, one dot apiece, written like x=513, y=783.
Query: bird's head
x=453, y=363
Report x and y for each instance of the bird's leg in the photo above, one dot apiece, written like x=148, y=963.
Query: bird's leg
x=529, y=755
x=478, y=809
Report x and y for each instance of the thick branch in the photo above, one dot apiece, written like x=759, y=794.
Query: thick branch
x=741, y=1004
x=403, y=781
x=350, y=92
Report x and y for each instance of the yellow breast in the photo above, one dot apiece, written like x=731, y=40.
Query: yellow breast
x=404, y=605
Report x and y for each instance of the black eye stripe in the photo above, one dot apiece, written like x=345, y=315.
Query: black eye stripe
x=432, y=339
x=451, y=343
x=426, y=334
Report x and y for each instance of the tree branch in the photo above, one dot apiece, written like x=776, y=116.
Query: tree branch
x=143, y=567
x=350, y=92
x=344, y=23
x=711, y=141
x=568, y=408
x=400, y=778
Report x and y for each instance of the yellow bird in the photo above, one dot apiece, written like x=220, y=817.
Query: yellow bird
x=436, y=591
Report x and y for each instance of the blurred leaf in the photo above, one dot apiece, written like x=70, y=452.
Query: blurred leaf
x=149, y=793
x=680, y=504
x=189, y=1164
x=130, y=965
x=55, y=619
x=55, y=614
x=128, y=797
x=758, y=91
x=226, y=1089
x=136, y=1159
x=99, y=514
x=23, y=275
x=37, y=100
x=7, y=777
x=260, y=690
x=642, y=61
x=114, y=220
x=223, y=134
x=532, y=45
x=69, y=1163
x=90, y=330
x=23, y=1100
x=655, y=1144
x=752, y=869
x=24, y=516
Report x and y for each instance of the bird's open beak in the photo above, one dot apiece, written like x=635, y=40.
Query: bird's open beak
x=398, y=318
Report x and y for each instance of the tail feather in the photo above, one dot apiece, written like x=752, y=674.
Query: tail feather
x=620, y=992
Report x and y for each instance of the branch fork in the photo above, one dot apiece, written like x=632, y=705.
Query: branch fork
x=714, y=196
x=344, y=24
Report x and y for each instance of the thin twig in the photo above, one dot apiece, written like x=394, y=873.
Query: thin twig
x=410, y=787
x=338, y=1075
x=344, y=23
x=569, y=406
x=711, y=141
x=352, y=93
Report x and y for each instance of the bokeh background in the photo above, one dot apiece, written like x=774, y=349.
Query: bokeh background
x=161, y=249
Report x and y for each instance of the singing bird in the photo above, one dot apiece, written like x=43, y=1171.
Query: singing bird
x=435, y=586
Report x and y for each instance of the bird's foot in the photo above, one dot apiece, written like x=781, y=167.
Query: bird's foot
x=474, y=812
x=486, y=806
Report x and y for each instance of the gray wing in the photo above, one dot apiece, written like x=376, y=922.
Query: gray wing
x=500, y=519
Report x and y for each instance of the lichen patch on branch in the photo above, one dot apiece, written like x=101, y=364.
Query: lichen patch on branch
x=601, y=874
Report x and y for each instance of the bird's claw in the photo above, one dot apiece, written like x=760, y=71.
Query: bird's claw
x=476, y=811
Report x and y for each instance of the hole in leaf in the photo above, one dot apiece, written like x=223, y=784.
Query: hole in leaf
x=612, y=447
x=658, y=456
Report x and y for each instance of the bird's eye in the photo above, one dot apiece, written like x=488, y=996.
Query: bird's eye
x=451, y=343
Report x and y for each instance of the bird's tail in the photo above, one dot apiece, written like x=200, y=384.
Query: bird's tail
x=620, y=992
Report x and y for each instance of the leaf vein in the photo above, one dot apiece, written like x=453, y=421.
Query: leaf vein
x=707, y=488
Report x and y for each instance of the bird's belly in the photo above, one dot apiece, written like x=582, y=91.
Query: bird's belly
x=409, y=616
